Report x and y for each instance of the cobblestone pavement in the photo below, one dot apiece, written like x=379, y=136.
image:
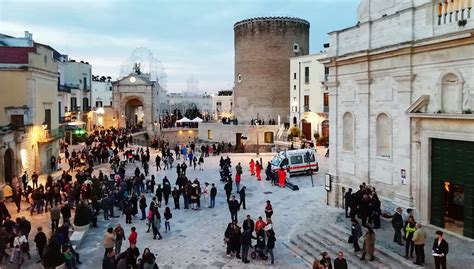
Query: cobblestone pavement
x=196, y=237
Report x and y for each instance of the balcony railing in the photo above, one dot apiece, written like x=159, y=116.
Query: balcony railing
x=326, y=109
x=306, y=109
x=45, y=136
x=454, y=11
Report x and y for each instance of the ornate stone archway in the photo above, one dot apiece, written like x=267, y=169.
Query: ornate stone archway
x=133, y=98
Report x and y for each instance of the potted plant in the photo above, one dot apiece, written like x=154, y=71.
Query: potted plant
x=82, y=217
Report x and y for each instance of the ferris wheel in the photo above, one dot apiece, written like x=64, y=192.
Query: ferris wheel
x=149, y=66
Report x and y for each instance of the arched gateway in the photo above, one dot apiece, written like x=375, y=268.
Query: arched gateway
x=133, y=102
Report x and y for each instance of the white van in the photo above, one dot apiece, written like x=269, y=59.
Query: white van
x=297, y=161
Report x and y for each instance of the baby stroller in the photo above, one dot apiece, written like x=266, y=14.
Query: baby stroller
x=259, y=249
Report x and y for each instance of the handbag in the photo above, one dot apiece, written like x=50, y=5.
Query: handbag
x=351, y=239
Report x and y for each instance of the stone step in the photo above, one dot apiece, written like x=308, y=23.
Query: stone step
x=390, y=258
x=316, y=247
x=298, y=252
x=337, y=245
x=333, y=246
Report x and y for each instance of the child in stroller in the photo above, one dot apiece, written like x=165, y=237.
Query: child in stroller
x=259, y=249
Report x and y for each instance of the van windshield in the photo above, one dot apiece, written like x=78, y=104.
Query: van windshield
x=276, y=161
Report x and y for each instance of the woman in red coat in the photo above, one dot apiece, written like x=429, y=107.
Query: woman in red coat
x=252, y=167
x=281, y=177
x=259, y=169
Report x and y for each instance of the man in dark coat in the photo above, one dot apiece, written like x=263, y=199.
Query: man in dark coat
x=40, y=240
x=213, y=195
x=228, y=190
x=340, y=262
x=348, y=202
x=397, y=224
x=233, y=208
x=242, y=197
x=248, y=224
x=440, y=250
x=109, y=261
x=246, y=243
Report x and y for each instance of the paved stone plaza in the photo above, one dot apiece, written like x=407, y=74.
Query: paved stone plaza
x=303, y=224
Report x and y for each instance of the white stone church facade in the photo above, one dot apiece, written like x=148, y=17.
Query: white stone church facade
x=401, y=86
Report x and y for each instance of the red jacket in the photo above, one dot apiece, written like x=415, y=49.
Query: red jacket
x=260, y=224
x=133, y=238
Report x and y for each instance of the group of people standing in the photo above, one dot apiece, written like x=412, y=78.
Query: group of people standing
x=366, y=206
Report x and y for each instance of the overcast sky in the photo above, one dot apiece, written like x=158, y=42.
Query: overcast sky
x=191, y=38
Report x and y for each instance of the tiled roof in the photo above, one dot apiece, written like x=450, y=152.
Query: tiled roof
x=15, y=55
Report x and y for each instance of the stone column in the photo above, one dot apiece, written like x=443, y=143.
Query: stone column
x=362, y=130
x=335, y=195
x=402, y=150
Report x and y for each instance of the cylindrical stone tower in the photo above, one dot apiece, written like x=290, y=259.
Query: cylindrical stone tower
x=263, y=47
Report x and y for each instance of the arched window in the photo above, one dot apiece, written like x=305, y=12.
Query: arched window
x=451, y=93
x=348, y=132
x=384, y=135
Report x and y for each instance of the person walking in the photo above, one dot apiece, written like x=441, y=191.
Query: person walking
x=24, y=180
x=34, y=179
x=397, y=224
x=132, y=238
x=270, y=244
x=156, y=224
x=238, y=175
x=242, y=197
x=410, y=228
x=340, y=262
x=175, y=193
x=213, y=195
x=233, y=208
x=356, y=233
x=167, y=214
x=252, y=167
x=109, y=241
x=369, y=243
x=325, y=260
x=55, y=215
x=40, y=241
x=228, y=190
x=268, y=210
x=258, y=169
x=348, y=202
x=419, y=238
x=246, y=243
x=440, y=250
x=119, y=238
x=205, y=194
x=281, y=177
x=143, y=206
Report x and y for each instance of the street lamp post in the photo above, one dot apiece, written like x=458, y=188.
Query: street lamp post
x=258, y=150
x=308, y=158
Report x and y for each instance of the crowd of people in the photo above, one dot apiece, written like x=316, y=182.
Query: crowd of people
x=365, y=206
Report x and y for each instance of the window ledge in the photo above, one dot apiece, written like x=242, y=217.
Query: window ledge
x=385, y=158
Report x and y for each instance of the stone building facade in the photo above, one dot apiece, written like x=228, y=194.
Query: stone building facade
x=309, y=98
x=401, y=98
x=263, y=47
x=29, y=121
